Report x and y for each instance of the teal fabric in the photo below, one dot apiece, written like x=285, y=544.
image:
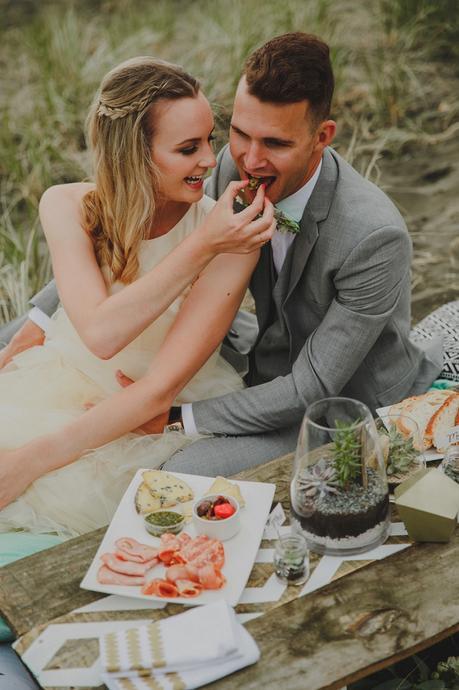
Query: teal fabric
x=443, y=384
x=15, y=545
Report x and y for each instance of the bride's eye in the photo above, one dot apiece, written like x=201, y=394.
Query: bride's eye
x=189, y=150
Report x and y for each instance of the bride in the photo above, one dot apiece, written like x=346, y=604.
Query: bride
x=150, y=274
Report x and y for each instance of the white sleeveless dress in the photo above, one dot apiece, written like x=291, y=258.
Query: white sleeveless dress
x=47, y=386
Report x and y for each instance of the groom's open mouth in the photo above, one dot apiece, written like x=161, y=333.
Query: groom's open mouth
x=256, y=180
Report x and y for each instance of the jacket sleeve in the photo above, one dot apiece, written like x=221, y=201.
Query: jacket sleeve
x=368, y=288
x=47, y=299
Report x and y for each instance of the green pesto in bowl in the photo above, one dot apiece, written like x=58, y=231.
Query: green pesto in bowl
x=161, y=521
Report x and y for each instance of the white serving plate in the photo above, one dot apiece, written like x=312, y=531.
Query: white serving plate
x=430, y=454
x=240, y=550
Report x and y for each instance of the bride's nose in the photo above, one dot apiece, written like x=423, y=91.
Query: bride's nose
x=208, y=159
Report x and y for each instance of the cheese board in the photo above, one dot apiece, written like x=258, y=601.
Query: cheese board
x=127, y=530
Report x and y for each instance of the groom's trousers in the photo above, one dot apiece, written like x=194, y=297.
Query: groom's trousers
x=227, y=455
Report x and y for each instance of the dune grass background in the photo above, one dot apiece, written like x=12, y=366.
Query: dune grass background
x=395, y=62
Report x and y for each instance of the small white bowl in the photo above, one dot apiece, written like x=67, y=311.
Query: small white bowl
x=217, y=529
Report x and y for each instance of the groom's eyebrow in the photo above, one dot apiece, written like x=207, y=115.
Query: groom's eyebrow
x=267, y=140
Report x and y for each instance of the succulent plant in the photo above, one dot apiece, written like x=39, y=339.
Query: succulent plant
x=402, y=452
x=347, y=448
x=319, y=480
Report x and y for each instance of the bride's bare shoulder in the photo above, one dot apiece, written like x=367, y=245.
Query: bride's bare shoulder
x=72, y=192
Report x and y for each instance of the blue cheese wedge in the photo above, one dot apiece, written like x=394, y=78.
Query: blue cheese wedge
x=167, y=488
x=145, y=501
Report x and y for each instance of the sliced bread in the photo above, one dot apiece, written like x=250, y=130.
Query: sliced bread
x=443, y=421
x=420, y=409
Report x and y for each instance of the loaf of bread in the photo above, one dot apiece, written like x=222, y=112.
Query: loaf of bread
x=434, y=414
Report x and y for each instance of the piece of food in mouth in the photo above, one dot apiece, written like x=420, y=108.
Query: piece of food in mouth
x=254, y=183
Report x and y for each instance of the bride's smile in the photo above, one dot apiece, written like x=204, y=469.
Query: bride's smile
x=183, y=162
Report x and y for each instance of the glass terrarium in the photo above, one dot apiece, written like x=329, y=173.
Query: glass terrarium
x=339, y=491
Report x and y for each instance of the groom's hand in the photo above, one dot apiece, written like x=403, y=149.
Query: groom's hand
x=154, y=426
x=29, y=335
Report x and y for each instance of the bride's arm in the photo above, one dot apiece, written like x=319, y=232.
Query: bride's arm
x=200, y=326
x=107, y=323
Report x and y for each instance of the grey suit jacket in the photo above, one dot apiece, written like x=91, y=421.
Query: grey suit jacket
x=336, y=320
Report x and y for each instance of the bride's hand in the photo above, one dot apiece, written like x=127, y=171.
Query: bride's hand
x=14, y=476
x=153, y=426
x=29, y=335
x=239, y=233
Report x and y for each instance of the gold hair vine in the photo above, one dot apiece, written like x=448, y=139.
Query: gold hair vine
x=114, y=112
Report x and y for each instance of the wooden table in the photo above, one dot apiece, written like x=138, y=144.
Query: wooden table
x=358, y=624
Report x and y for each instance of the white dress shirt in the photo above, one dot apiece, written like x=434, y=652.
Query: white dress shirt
x=293, y=206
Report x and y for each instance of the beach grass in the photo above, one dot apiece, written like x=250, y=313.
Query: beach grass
x=393, y=60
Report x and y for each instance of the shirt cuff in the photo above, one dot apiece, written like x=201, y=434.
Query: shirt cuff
x=39, y=318
x=189, y=425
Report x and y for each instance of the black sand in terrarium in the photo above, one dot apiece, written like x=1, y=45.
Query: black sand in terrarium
x=345, y=514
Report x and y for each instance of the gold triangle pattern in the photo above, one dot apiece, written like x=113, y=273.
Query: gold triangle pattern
x=111, y=650
x=156, y=645
x=134, y=649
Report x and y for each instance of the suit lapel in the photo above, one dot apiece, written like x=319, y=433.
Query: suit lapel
x=316, y=210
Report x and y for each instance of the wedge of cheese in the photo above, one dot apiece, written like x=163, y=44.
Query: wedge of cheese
x=167, y=488
x=223, y=486
x=145, y=501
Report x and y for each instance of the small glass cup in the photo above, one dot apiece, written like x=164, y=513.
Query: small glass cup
x=450, y=463
x=291, y=559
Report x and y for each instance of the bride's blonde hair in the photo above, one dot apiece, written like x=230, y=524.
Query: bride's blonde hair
x=119, y=212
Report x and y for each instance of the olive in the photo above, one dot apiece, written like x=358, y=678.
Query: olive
x=204, y=508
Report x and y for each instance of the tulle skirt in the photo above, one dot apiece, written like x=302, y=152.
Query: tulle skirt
x=42, y=391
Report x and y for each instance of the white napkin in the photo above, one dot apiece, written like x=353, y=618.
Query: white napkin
x=178, y=653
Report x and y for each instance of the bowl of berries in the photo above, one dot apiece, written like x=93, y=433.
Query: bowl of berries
x=217, y=516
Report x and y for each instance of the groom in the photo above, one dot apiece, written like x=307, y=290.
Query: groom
x=333, y=301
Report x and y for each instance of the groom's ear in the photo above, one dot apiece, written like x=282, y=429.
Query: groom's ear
x=325, y=134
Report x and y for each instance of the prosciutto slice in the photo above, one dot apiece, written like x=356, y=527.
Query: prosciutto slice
x=160, y=588
x=131, y=550
x=202, y=550
x=119, y=565
x=108, y=577
x=210, y=577
x=186, y=588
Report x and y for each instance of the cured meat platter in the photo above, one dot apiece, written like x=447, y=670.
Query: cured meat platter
x=127, y=543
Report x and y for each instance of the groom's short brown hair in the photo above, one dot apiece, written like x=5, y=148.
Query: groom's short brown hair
x=291, y=68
